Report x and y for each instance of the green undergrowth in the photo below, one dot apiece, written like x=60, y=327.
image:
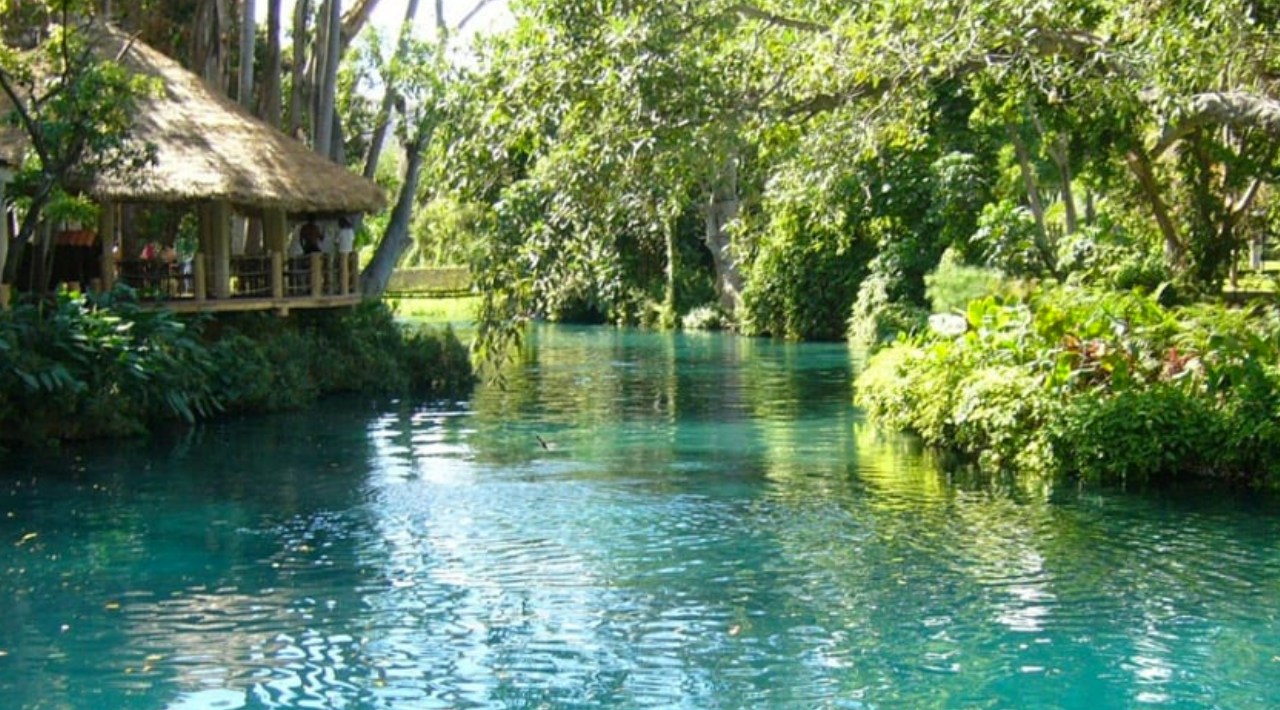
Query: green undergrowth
x=79, y=366
x=1110, y=388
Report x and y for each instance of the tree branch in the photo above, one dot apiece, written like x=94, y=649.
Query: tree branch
x=354, y=20
x=475, y=10
x=1236, y=109
x=752, y=12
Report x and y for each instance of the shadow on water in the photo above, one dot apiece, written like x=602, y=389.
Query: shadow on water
x=710, y=525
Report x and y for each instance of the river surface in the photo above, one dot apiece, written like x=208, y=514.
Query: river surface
x=711, y=525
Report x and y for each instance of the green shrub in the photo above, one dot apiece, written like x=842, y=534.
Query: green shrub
x=910, y=387
x=999, y=414
x=707, y=317
x=78, y=367
x=879, y=313
x=952, y=285
x=84, y=367
x=1108, y=387
x=1161, y=433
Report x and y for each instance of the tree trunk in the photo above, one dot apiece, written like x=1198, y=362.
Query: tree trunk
x=355, y=20
x=209, y=51
x=383, y=121
x=327, y=82
x=1058, y=152
x=669, y=302
x=721, y=209
x=396, y=240
x=1173, y=247
x=248, y=32
x=1033, y=199
x=298, y=94
x=271, y=98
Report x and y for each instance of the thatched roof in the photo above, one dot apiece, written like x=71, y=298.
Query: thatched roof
x=210, y=148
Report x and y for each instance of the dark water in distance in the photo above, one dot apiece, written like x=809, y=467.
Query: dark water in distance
x=713, y=527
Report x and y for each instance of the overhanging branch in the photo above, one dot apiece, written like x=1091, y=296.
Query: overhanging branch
x=1233, y=108
x=754, y=13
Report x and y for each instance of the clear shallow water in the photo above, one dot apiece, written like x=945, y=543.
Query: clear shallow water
x=713, y=528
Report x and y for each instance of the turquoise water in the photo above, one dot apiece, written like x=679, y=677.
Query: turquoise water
x=712, y=527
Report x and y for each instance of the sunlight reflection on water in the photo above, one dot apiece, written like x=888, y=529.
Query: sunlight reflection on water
x=710, y=526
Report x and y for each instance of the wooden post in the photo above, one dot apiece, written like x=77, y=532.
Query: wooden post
x=277, y=275
x=275, y=231
x=344, y=274
x=201, y=277
x=220, y=233
x=317, y=274
x=107, y=235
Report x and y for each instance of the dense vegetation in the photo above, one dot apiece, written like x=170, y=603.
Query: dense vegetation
x=1109, y=387
x=827, y=170
x=82, y=367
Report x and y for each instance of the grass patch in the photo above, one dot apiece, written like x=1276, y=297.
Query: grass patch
x=460, y=310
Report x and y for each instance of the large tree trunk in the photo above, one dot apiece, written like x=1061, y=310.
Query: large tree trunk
x=721, y=209
x=1174, y=250
x=271, y=99
x=298, y=94
x=248, y=32
x=396, y=240
x=382, y=123
x=327, y=76
x=210, y=52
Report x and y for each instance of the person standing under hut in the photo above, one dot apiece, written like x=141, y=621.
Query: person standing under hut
x=311, y=237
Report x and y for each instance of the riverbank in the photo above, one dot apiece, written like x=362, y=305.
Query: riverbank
x=87, y=366
x=1111, y=388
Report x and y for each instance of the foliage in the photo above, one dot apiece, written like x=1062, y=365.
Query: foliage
x=952, y=285
x=879, y=313
x=707, y=317
x=1110, y=387
x=75, y=110
x=79, y=367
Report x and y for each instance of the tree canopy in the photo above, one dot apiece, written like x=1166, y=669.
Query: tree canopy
x=800, y=166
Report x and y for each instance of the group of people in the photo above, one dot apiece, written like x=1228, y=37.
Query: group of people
x=311, y=238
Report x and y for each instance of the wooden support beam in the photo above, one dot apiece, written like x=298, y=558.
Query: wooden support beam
x=201, y=276
x=220, y=243
x=275, y=231
x=277, y=274
x=317, y=274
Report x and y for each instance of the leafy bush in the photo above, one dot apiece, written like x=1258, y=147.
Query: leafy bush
x=881, y=311
x=1136, y=436
x=952, y=285
x=707, y=317
x=1108, y=387
x=80, y=367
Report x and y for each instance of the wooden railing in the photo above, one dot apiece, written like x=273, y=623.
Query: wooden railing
x=266, y=279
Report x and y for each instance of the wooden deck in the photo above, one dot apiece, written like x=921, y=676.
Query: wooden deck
x=253, y=283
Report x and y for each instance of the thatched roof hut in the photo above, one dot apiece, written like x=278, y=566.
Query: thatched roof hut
x=209, y=148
